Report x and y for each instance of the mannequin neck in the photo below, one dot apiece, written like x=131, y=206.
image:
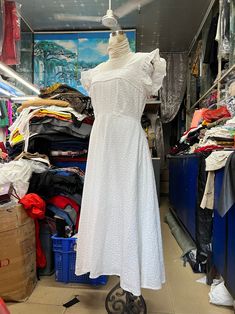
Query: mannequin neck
x=118, y=46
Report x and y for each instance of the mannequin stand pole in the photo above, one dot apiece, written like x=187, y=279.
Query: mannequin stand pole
x=119, y=301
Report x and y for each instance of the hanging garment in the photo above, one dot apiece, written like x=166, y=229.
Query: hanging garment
x=215, y=161
x=4, y=120
x=227, y=195
x=119, y=229
x=10, y=51
x=211, y=52
x=3, y=137
x=196, y=60
x=2, y=23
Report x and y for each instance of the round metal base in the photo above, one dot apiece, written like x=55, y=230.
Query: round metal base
x=119, y=301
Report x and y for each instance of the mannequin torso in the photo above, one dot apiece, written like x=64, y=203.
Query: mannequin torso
x=119, y=52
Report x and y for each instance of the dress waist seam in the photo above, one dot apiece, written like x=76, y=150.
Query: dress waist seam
x=116, y=114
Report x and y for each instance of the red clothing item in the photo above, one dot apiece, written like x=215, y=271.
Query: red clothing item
x=36, y=208
x=69, y=158
x=62, y=202
x=3, y=307
x=10, y=55
x=3, y=147
x=88, y=120
x=213, y=115
x=207, y=148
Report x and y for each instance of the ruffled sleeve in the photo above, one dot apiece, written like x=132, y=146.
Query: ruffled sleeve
x=154, y=69
x=86, y=77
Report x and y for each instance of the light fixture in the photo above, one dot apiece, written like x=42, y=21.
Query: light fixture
x=4, y=92
x=22, y=98
x=16, y=76
x=15, y=91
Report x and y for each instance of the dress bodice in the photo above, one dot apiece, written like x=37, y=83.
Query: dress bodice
x=127, y=87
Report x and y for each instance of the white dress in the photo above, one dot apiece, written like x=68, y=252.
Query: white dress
x=119, y=231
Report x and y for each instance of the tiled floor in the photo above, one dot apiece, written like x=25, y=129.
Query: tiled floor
x=180, y=295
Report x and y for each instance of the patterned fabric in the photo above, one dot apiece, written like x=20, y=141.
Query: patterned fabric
x=119, y=230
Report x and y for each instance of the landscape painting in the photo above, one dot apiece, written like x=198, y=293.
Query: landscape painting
x=61, y=57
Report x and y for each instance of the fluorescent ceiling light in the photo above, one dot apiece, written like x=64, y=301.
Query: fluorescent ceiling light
x=23, y=98
x=4, y=92
x=17, y=91
x=13, y=74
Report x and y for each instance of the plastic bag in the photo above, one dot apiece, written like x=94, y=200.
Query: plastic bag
x=219, y=295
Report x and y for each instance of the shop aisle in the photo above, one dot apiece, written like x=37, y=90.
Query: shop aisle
x=180, y=295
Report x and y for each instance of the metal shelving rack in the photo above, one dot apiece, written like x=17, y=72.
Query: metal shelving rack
x=221, y=76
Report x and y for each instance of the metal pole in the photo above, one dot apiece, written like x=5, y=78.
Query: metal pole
x=201, y=25
x=219, y=52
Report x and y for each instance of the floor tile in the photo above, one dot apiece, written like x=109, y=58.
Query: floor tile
x=49, y=281
x=83, y=311
x=26, y=308
x=90, y=302
x=52, y=295
x=159, y=301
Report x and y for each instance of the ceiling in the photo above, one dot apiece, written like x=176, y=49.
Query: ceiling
x=168, y=24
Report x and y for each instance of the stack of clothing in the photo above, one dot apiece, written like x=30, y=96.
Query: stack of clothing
x=57, y=126
x=77, y=100
x=61, y=189
x=211, y=129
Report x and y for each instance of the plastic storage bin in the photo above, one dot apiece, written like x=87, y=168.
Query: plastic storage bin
x=65, y=256
x=183, y=176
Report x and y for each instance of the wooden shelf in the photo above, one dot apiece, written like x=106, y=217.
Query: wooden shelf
x=152, y=106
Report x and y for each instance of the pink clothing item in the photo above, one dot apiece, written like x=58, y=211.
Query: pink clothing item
x=10, y=112
x=197, y=117
x=10, y=55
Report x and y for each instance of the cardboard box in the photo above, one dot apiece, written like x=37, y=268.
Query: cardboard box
x=17, y=253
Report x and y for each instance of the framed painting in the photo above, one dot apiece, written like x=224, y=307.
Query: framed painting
x=61, y=57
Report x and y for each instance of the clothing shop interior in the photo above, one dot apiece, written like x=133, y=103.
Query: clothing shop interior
x=117, y=156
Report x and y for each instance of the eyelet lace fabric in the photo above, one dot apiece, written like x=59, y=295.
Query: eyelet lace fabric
x=119, y=231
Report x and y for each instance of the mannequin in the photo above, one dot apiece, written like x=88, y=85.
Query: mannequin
x=119, y=51
x=118, y=45
x=119, y=231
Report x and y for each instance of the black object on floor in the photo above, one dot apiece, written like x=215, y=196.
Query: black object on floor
x=71, y=302
x=123, y=302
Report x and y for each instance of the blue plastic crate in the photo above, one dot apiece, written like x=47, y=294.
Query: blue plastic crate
x=65, y=257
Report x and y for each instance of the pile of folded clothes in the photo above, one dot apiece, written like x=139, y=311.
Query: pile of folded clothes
x=58, y=126
x=76, y=100
x=211, y=129
x=61, y=189
x=47, y=149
